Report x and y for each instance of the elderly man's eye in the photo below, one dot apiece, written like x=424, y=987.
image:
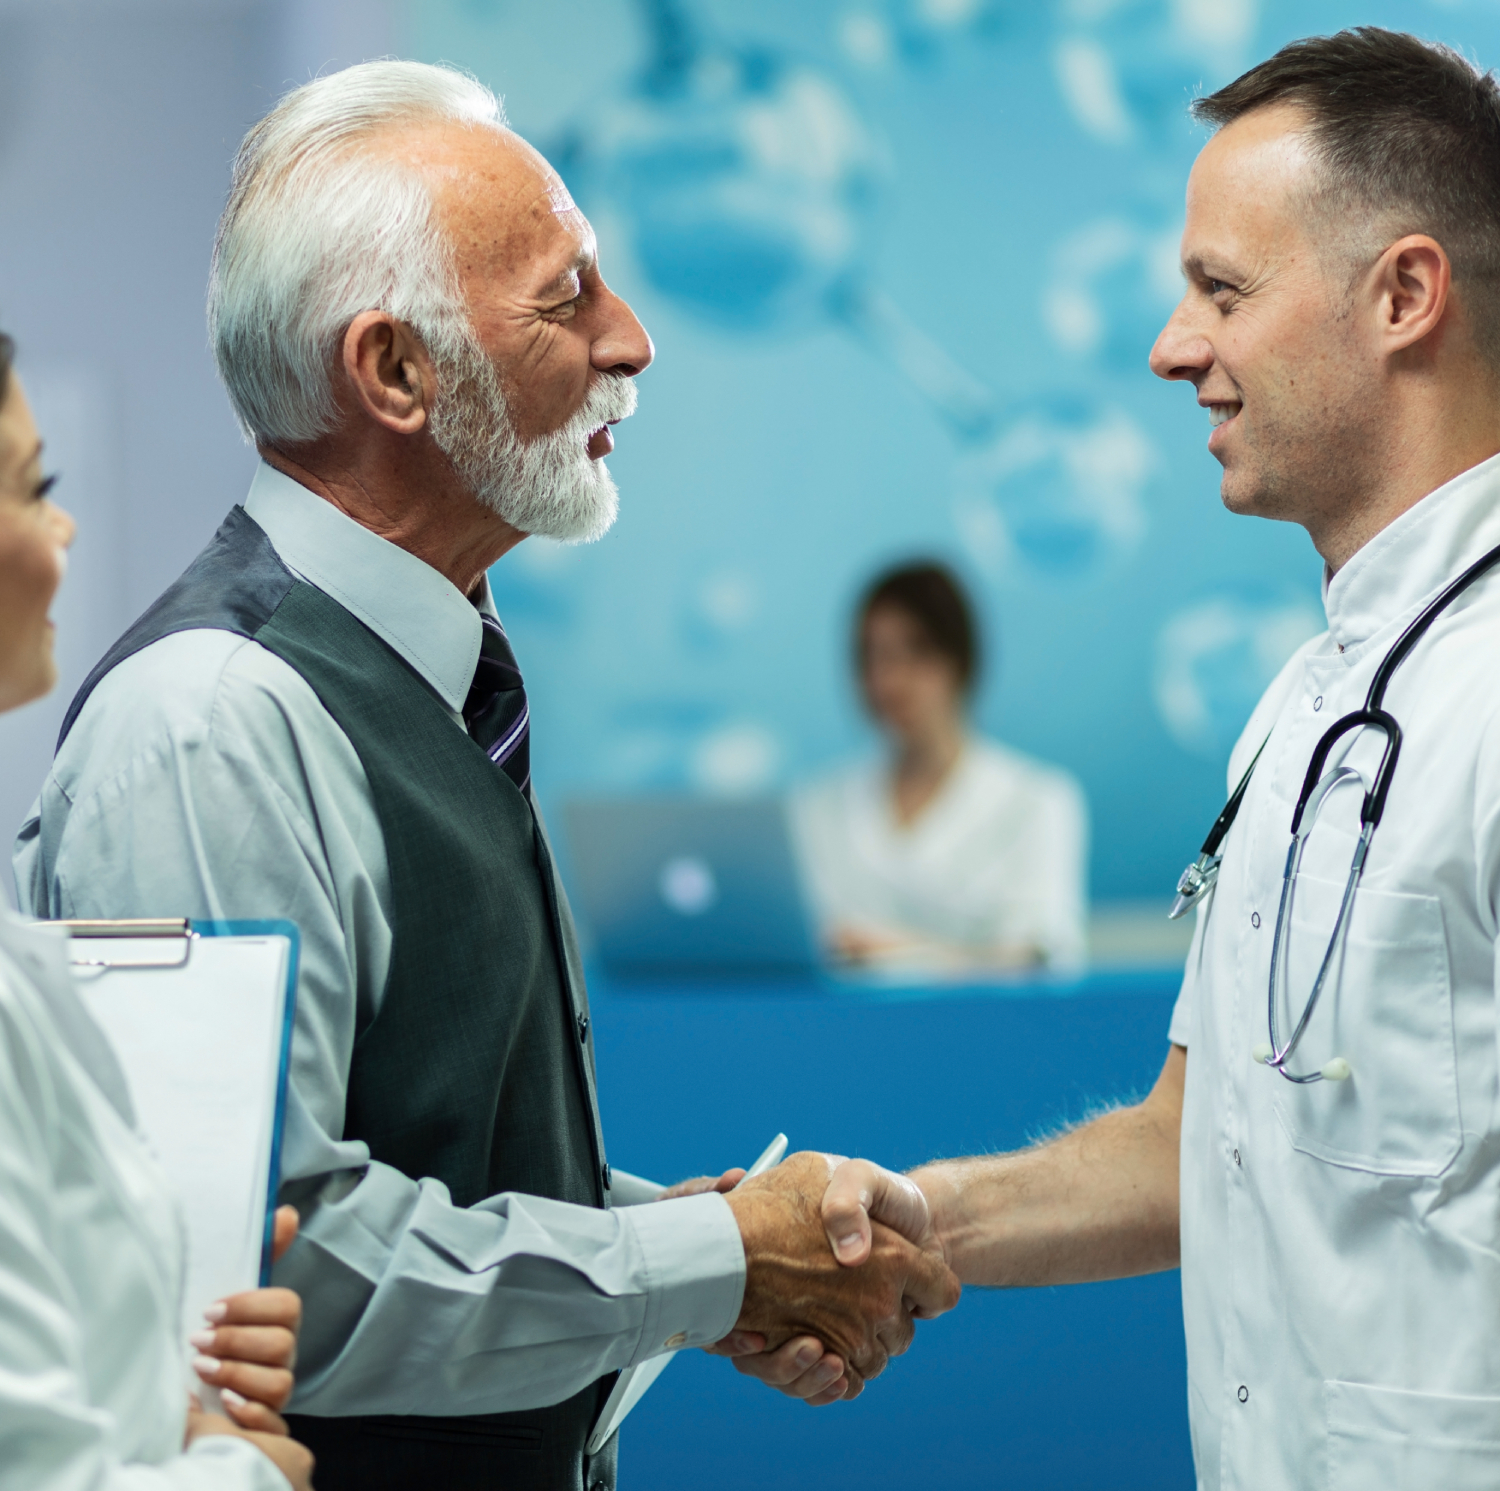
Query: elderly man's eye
x=1217, y=288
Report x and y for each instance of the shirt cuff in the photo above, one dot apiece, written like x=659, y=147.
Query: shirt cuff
x=695, y=1271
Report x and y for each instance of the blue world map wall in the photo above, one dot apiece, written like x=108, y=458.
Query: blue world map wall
x=903, y=261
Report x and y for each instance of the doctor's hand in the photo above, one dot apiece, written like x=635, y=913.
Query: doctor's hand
x=248, y=1345
x=861, y=1192
x=795, y=1287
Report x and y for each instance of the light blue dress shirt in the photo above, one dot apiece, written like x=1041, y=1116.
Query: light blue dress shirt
x=204, y=778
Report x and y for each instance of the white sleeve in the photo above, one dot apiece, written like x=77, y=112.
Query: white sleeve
x=52, y=1436
x=1061, y=874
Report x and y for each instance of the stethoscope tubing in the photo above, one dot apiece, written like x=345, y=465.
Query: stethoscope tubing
x=1201, y=876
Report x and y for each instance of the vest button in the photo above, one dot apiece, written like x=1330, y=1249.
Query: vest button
x=605, y=1174
x=583, y=1028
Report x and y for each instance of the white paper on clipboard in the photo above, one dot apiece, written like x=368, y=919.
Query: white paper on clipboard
x=201, y=1022
x=632, y=1383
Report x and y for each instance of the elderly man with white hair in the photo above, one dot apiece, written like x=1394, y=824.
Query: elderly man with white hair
x=323, y=719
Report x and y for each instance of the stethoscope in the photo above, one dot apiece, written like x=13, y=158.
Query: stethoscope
x=1200, y=877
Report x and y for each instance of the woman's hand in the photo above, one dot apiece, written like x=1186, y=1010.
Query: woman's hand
x=293, y=1460
x=249, y=1346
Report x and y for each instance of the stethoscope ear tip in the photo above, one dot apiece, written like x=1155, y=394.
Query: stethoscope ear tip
x=1261, y=1053
x=1336, y=1070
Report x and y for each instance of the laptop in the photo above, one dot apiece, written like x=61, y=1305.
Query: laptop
x=690, y=885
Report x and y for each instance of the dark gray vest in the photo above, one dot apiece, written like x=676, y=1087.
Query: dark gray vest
x=478, y=1068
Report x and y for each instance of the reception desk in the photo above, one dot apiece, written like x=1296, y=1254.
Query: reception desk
x=1046, y=1390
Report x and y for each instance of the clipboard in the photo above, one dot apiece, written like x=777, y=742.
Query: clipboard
x=200, y=1015
x=630, y=1387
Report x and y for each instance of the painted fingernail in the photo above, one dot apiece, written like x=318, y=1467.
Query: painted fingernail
x=206, y=1366
x=216, y=1311
x=807, y=1355
x=202, y=1339
x=231, y=1397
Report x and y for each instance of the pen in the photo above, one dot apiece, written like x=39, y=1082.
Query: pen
x=770, y=1156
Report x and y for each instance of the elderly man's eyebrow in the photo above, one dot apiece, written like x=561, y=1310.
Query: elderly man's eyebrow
x=561, y=282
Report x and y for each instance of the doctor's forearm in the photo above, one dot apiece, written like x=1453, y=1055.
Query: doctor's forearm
x=1099, y=1202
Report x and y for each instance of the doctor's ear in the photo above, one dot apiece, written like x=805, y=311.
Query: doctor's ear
x=390, y=375
x=1412, y=280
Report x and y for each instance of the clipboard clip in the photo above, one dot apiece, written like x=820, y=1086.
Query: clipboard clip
x=158, y=929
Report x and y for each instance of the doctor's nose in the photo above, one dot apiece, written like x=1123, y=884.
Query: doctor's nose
x=1181, y=354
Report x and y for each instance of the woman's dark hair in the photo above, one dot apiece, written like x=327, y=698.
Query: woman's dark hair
x=7, y=356
x=929, y=593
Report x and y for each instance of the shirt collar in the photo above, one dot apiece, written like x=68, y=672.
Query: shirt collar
x=1414, y=557
x=401, y=598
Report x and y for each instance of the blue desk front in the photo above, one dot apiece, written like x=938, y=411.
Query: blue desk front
x=1046, y=1390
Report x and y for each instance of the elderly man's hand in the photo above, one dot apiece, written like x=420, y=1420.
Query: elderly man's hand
x=798, y=1295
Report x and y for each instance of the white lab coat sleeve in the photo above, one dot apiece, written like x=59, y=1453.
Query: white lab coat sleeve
x=52, y=1437
x=1061, y=856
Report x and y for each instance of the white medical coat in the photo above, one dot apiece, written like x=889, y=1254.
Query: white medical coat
x=1341, y=1241
x=999, y=855
x=93, y=1378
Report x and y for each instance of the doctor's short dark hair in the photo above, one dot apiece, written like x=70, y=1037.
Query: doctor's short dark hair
x=1408, y=135
x=931, y=595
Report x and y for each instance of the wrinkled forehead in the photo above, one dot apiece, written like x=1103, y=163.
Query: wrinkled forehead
x=503, y=206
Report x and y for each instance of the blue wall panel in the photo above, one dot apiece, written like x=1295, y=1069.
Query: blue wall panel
x=1047, y=1390
x=903, y=261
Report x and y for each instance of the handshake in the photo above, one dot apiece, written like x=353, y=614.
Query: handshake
x=841, y=1260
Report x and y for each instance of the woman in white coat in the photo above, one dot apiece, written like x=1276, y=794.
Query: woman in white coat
x=954, y=852
x=92, y=1376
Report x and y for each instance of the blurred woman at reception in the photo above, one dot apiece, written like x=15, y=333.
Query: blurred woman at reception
x=93, y=1375
x=951, y=852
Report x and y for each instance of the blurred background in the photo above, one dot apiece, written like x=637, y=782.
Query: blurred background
x=903, y=261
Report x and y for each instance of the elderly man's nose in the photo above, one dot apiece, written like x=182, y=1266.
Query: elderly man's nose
x=623, y=345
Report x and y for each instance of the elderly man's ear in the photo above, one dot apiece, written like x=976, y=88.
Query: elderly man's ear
x=390, y=376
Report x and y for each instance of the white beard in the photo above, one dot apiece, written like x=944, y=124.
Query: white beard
x=549, y=486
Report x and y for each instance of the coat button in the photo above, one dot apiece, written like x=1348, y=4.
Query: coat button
x=605, y=1174
x=1255, y=919
x=1318, y=702
x=1244, y=1394
x=1236, y=1157
x=583, y=1028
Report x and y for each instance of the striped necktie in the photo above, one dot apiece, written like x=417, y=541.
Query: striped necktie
x=496, y=711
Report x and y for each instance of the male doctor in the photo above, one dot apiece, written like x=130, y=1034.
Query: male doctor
x=1339, y=1238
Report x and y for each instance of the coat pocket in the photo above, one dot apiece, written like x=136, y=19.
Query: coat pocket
x=1388, y=1439
x=1387, y=1009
